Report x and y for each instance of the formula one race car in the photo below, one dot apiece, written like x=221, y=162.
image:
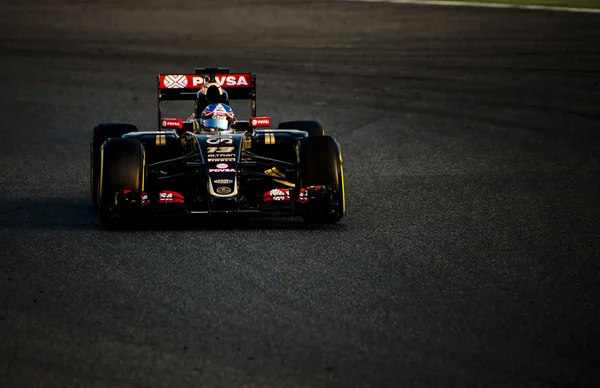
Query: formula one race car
x=181, y=169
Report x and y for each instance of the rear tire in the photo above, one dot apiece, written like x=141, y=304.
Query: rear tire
x=320, y=164
x=122, y=167
x=313, y=128
x=100, y=134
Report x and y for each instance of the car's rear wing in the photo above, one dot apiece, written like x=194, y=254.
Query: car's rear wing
x=183, y=87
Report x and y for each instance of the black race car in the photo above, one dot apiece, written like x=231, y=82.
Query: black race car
x=294, y=170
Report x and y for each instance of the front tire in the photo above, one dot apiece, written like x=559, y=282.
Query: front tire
x=320, y=164
x=100, y=134
x=122, y=167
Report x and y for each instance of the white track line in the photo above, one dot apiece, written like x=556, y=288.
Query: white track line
x=483, y=5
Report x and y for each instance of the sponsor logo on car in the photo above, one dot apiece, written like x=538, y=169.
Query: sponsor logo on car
x=220, y=150
x=221, y=159
x=223, y=190
x=225, y=80
x=260, y=121
x=170, y=196
x=223, y=181
x=277, y=195
x=175, y=81
x=222, y=155
x=171, y=123
x=222, y=165
x=182, y=81
x=221, y=170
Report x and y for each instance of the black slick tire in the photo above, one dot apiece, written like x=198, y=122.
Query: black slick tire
x=100, y=134
x=122, y=167
x=320, y=164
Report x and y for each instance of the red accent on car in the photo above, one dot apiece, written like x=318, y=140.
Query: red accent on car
x=170, y=197
x=276, y=195
x=193, y=81
x=303, y=193
x=256, y=122
x=283, y=194
x=143, y=195
x=171, y=123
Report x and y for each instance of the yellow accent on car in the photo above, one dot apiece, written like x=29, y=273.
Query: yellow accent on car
x=101, y=174
x=343, y=184
x=275, y=172
x=285, y=183
x=161, y=140
x=269, y=137
x=93, y=182
x=143, y=188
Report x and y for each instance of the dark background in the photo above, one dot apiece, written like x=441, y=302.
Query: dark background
x=469, y=255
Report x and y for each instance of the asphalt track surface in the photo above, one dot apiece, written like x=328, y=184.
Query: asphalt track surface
x=469, y=255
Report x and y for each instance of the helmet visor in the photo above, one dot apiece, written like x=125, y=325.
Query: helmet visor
x=215, y=124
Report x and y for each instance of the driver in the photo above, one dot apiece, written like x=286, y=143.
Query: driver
x=216, y=118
